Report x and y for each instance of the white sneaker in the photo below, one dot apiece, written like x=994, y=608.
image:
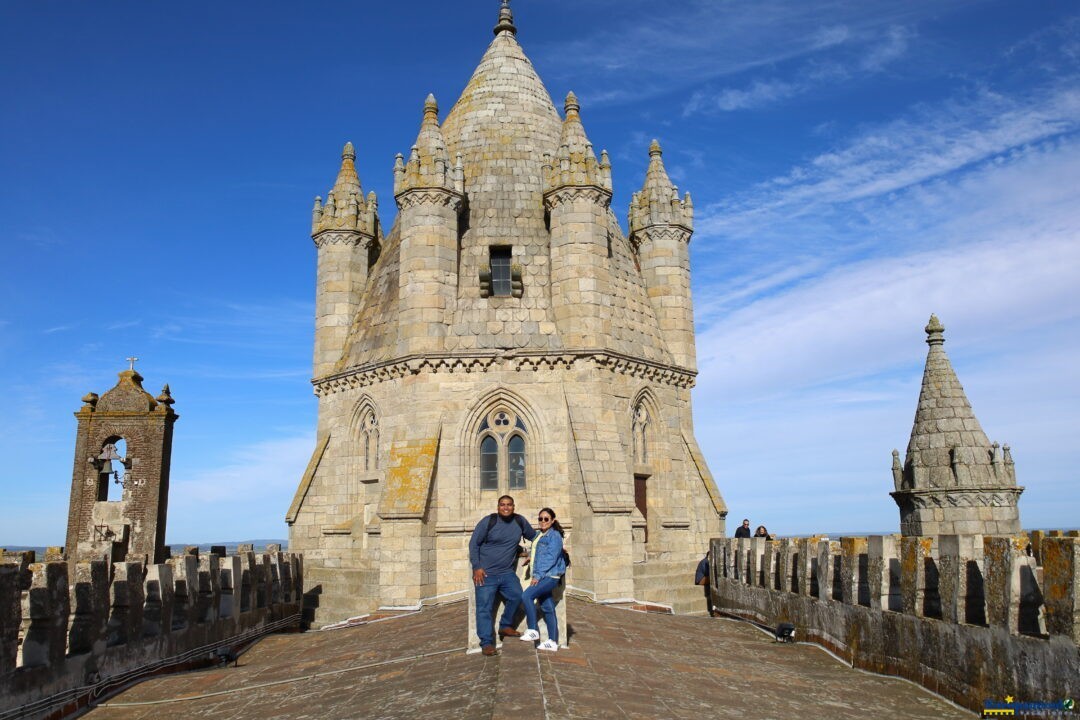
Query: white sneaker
x=530, y=636
x=549, y=645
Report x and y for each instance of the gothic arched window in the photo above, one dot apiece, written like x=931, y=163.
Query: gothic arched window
x=502, y=451
x=368, y=439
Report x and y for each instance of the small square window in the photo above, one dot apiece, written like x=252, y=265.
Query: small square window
x=501, y=285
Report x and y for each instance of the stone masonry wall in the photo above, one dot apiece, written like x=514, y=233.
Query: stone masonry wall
x=973, y=618
x=63, y=636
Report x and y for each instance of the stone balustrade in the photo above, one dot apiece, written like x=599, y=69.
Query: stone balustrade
x=66, y=629
x=971, y=617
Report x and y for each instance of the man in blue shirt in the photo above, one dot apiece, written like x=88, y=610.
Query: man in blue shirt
x=493, y=551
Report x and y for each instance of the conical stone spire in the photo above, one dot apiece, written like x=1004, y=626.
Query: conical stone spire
x=658, y=201
x=575, y=163
x=345, y=207
x=429, y=163
x=953, y=480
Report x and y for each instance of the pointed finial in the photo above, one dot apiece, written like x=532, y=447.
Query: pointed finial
x=431, y=107
x=935, y=331
x=348, y=153
x=506, y=19
x=571, y=105
x=654, y=149
x=165, y=398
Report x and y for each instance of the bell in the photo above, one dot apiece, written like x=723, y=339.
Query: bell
x=106, y=467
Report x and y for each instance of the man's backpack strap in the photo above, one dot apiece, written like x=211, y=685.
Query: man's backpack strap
x=494, y=517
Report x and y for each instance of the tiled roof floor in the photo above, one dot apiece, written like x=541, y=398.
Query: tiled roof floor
x=620, y=664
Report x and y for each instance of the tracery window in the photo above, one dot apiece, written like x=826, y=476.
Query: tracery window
x=502, y=436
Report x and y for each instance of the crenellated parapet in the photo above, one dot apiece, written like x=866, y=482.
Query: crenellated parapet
x=75, y=627
x=880, y=602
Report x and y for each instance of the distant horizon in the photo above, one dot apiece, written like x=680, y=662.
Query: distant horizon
x=262, y=542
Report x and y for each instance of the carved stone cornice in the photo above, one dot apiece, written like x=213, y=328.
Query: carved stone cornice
x=652, y=233
x=374, y=373
x=439, y=197
x=351, y=238
x=958, y=497
x=570, y=193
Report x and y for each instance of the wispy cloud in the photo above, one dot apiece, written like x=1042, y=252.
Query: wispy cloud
x=123, y=325
x=700, y=41
x=245, y=496
x=818, y=70
x=56, y=329
x=928, y=144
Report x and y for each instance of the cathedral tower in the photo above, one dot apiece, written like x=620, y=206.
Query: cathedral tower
x=506, y=337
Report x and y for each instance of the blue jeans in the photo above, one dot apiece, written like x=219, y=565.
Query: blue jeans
x=507, y=585
x=542, y=591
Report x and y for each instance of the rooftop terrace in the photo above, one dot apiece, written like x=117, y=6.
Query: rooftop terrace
x=620, y=664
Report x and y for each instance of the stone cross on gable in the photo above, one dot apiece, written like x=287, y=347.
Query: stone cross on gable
x=132, y=360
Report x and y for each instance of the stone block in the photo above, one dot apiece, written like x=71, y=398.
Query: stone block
x=158, y=609
x=802, y=566
x=915, y=558
x=1061, y=586
x=90, y=607
x=854, y=571
x=208, y=601
x=126, y=603
x=10, y=616
x=883, y=569
x=230, y=570
x=826, y=569
x=1013, y=600
x=48, y=606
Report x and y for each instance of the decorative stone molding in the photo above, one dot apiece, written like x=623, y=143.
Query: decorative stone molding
x=521, y=362
x=960, y=498
x=438, y=197
x=341, y=237
x=678, y=233
x=591, y=193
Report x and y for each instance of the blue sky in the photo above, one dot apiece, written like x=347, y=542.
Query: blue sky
x=855, y=166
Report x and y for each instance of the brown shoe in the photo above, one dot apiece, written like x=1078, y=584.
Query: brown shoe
x=505, y=632
x=489, y=650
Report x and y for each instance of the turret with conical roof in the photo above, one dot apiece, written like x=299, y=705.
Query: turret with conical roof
x=660, y=226
x=577, y=193
x=953, y=479
x=428, y=192
x=347, y=234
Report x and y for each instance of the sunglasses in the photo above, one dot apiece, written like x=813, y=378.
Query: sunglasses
x=544, y=519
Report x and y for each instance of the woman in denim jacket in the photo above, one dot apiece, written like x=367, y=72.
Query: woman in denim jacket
x=548, y=565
